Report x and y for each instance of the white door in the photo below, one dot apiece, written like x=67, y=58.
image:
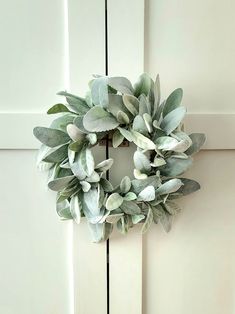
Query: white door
x=51, y=267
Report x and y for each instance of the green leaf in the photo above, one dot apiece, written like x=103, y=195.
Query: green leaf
x=172, y=208
x=189, y=186
x=139, y=125
x=98, y=120
x=121, y=84
x=90, y=206
x=122, y=117
x=78, y=121
x=169, y=186
x=63, y=209
x=92, y=138
x=144, y=106
x=130, y=208
x=173, y=101
x=85, y=186
x=198, y=139
x=50, y=137
x=139, y=185
x=113, y=218
x=130, y=196
x=77, y=167
x=127, y=134
x=57, y=109
x=76, y=103
x=61, y=122
x=125, y=184
x=114, y=201
x=158, y=162
x=60, y=183
x=172, y=120
x=143, y=85
x=166, y=143
x=175, y=167
x=147, y=195
x=148, y=122
x=148, y=221
x=139, y=175
x=116, y=104
x=141, y=162
x=100, y=231
x=157, y=95
x=117, y=138
x=99, y=92
x=76, y=146
x=94, y=177
x=75, y=208
x=104, y=165
x=142, y=141
x=74, y=133
x=166, y=221
x=106, y=185
x=137, y=218
x=56, y=154
x=124, y=224
x=131, y=103
x=87, y=161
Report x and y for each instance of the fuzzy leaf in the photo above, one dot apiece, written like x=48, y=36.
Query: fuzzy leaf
x=131, y=103
x=117, y=138
x=148, y=122
x=56, y=154
x=173, y=101
x=137, y=218
x=141, y=162
x=106, y=185
x=166, y=143
x=57, y=109
x=113, y=218
x=50, y=137
x=98, y=120
x=127, y=134
x=198, y=139
x=130, y=208
x=170, y=186
x=125, y=184
x=90, y=206
x=87, y=161
x=172, y=208
x=175, y=167
x=104, y=165
x=122, y=117
x=172, y=120
x=158, y=162
x=139, y=125
x=147, y=195
x=60, y=183
x=143, y=85
x=99, y=92
x=166, y=222
x=189, y=186
x=142, y=141
x=148, y=221
x=63, y=209
x=74, y=133
x=75, y=208
x=139, y=175
x=121, y=84
x=130, y=196
x=114, y=201
x=139, y=185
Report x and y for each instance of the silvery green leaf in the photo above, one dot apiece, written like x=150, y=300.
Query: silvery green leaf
x=158, y=212
x=175, y=167
x=166, y=143
x=92, y=138
x=131, y=103
x=172, y=120
x=198, y=139
x=125, y=184
x=189, y=186
x=172, y=208
x=148, y=221
x=158, y=162
x=108, y=228
x=99, y=92
x=76, y=103
x=60, y=183
x=130, y=196
x=77, y=167
x=127, y=134
x=143, y=85
x=97, y=120
x=124, y=224
x=147, y=195
x=85, y=186
x=117, y=138
x=56, y=154
x=75, y=208
x=141, y=162
x=137, y=218
x=173, y=101
x=74, y=133
x=142, y=141
x=148, y=122
x=166, y=222
x=114, y=201
x=90, y=206
x=184, y=141
x=106, y=185
x=113, y=218
x=63, y=209
x=101, y=196
x=122, y=117
x=157, y=95
x=116, y=104
x=76, y=146
x=57, y=109
x=44, y=166
x=180, y=155
x=61, y=122
x=71, y=156
x=139, y=125
x=156, y=125
x=88, y=99
x=87, y=161
x=143, y=105
x=169, y=186
x=104, y=165
x=139, y=175
x=130, y=208
x=139, y=185
x=121, y=84
x=50, y=137
x=94, y=177
x=78, y=121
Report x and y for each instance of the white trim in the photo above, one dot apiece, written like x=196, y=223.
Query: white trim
x=16, y=129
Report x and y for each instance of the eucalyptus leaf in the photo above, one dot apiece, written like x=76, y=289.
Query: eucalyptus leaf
x=172, y=120
x=98, y=120
x=50, y=137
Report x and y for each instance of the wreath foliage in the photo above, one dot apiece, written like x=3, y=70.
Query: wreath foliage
x=114, y=108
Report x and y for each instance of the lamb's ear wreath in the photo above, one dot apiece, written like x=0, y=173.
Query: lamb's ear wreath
x=164, y=151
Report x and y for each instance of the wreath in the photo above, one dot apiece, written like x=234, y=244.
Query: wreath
x=115, y=109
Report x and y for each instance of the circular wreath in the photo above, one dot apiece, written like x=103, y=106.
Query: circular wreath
x=116, y=109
